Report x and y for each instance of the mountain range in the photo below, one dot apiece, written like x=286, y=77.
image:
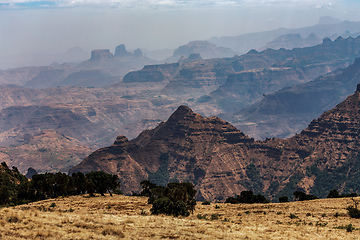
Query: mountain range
x=94, y=101
x=222, y=161
x=326, y=27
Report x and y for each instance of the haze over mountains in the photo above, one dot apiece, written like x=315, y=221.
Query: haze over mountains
x=61, y=113
x=327, y=27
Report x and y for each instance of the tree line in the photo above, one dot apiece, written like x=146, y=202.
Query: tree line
x=16, y=189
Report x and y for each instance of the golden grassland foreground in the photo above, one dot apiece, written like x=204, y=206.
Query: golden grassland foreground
x=82, y=217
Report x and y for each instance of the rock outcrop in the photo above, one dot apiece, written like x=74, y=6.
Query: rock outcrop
x=100, y=54
x=205, y=49
x=120, y=51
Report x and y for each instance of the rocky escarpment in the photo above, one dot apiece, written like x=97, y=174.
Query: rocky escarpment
x=283, y=113
x=47, y=151
x=193, y=78
x=331, y=144
x=17, y=122
x=152, y=73
x=248, y=87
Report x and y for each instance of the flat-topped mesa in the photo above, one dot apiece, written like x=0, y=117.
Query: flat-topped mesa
x=99, y=54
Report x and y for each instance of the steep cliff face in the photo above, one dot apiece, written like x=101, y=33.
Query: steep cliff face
x=283, y=113
x=332, y=144
x=152, y=73
x=222, y=161
x=47, y=151
x=248, y=87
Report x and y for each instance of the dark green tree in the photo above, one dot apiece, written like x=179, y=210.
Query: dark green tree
x=301, y=196
x=79, y=183
x=174, y=199
x=333, y=194
x=283, y=199
x=101, y=182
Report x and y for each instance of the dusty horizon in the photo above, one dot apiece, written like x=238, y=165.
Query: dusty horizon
x=31, y=29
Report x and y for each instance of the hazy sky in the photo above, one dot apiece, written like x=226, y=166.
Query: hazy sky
x=28, y=26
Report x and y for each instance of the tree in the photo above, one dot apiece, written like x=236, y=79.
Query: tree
x=174, y=199
x=301, y=196
x=79, y=183
x=101, y=182
x=333, y=194
x=283, y=199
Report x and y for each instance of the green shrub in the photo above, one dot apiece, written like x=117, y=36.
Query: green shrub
x=283, y=199
x=166, y=206
x=301, y=196
x=247, y=197
x=353, y=212
x=199, y=216
x=205, y=203
x=333, y=194
x=350, y=228
x=293, y=216
x=175, y=199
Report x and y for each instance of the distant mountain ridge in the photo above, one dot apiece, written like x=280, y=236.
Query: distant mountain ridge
x=326, y=28
x=204, y=48
x=290, y=41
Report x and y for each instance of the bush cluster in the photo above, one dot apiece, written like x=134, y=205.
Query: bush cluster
x=17, y=189
x=335, y=194
x=353, y=211
x=301, y=196
x=177, y=199
x=247, y=197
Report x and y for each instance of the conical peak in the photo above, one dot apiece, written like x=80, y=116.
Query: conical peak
x=181, y=112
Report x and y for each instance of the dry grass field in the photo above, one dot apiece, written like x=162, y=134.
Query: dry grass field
x=122, y=217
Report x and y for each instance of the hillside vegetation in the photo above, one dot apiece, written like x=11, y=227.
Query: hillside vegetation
x=117, y=217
